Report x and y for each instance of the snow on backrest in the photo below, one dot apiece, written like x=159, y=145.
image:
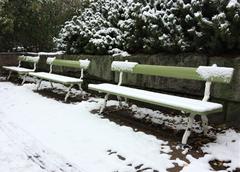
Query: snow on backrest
x=29, y=59
x=50, y=60
x=122, y=66
x=84, y=64
x=214, y=72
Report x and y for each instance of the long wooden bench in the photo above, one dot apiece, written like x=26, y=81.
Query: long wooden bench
x=22, y=70
x=193, y=107
x=65, y=80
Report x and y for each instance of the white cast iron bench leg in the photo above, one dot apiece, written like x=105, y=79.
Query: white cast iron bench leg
x=69, y=90
x=188, y=129
x=104, y=103
x=9, y=75
x=39, y=83
x=24, y=78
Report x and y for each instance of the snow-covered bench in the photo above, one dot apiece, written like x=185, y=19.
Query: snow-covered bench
x=21, y=70
x=191, y=106
x=65, y=80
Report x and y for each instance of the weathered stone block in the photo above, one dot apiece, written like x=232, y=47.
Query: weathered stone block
x=8, y=59
x=233, y=113
x=227, y=91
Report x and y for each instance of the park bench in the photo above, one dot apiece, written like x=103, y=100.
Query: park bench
x=189, y=106
x=22, y=70
x=57, y=78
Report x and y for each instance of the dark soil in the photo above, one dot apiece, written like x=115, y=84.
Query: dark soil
x=14, y=79
x=196, y=141
x=125, y=117
x=218, y=165
x=59, y=95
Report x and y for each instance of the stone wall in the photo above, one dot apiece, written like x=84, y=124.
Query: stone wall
x=100, y=71
x=8, y=59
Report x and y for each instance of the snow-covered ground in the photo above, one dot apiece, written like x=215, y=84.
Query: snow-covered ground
x=39, y=134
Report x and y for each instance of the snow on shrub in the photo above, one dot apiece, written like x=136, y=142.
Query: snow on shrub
x=103, y=40
x=152, y=26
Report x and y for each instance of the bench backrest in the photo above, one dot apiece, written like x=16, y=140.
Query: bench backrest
x=203, y=73
x=80, y=64
x=29, y=59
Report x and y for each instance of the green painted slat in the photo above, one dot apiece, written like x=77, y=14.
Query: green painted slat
x=174, y=72
x=168, y=71
x=66, y=63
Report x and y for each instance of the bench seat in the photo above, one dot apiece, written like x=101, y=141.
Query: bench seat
x=20, y=70
x=179, y=103
x=56, y=78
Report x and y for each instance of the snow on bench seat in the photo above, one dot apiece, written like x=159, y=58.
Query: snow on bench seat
x=175, y=102
x=56, y=78
x=18, y=69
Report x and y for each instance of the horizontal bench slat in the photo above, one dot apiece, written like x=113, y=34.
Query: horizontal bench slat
x=56, y=78
x=18, y=69
x=168, y=71
x=81, y=64
x=179, y=72
x=66, y=63
x=175, y=102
